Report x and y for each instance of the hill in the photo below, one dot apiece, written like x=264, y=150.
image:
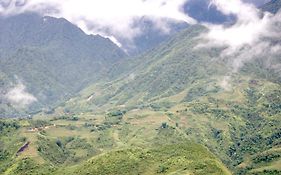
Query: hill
x=185, y=158
x=51, y=57
x=111, y=148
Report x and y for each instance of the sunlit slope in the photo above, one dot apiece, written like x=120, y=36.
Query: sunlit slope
x=110, y=145
x=188, y=158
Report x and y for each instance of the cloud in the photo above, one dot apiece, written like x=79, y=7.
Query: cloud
x=109, y=18
x=254, y=35
x=248, y=38
x=19, y=97
x=247, y=29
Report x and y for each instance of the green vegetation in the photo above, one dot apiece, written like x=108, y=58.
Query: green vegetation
x=181, y=158
x=111, y=152
x=235, y=123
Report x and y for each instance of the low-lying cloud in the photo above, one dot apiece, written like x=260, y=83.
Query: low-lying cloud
x=19, y=97
x=248, y=37
x=255, y=34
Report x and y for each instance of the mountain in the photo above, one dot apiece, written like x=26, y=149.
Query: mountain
x=233, y=114
x=273, y=6
x=51, y=57
x=164, y=71
x=177, y=109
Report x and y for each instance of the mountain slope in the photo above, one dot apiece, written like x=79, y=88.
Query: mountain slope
x=163, y=72
x=236, y=115
x=51, y=57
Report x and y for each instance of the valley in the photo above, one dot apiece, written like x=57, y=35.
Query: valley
x=177, y=102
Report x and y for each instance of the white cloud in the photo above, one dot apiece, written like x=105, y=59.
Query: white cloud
x=250, y=37
x=19, y=97
x=106, y=17
x=246, y=38
x=248, y=29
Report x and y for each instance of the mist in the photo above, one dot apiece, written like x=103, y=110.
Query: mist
x=19, y=97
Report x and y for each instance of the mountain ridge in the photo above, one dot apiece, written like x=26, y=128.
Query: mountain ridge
x=70, y=58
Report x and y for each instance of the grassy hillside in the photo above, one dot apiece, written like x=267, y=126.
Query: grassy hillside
x=117, y=146
x=188, y=158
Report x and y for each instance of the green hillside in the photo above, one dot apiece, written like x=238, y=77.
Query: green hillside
x=165, y=71
x=124, y=148
x=185, y=158
x=52, y=57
